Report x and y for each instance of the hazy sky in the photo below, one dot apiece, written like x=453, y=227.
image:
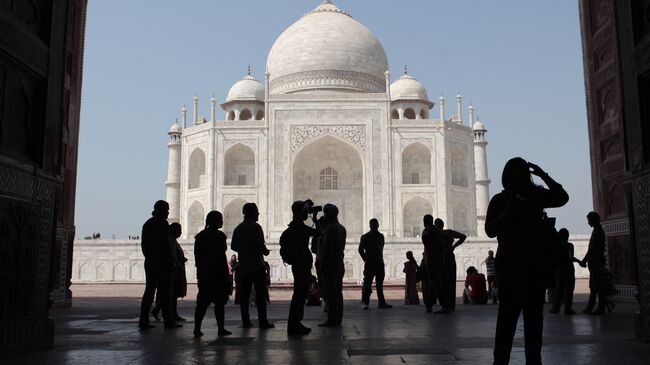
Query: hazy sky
x=519, y=62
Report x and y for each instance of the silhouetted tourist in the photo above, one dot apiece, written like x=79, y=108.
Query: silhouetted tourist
x=212, y=275
x=330, y=253
x=371, y=250
x=428, y=295
x=453, y=239
x=515, y=217
x=158, y=265
x=565, y=277
x=321, y=224
x=595, y=261
x=314, y=295
x=294, y=243
x=491, y=268
x=178, y=284
x=475, y=292
x=410, y=286
x=433, y=240
x=248, y=242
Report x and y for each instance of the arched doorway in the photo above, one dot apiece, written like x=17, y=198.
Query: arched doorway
x=416, y=164
x=232, y=215
x=195, y=219
x=196, y=178
x=329, y=170
x=413, y=212
x=239, y=166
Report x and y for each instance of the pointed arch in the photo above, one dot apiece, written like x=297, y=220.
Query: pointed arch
x=409, y=113
x=195, y=219
x=394, y=114
x=412, y=214
x=232, y=215
x=245, y=114
x=259, y=115
x=239, y=165
x=196, y=175
x=416, y=164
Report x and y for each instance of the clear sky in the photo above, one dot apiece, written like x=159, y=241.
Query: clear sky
x=519, y=63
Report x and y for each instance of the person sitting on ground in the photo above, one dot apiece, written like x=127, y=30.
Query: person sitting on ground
x=475, y=292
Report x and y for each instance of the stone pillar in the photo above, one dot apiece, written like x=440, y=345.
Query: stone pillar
x=441, y=101
x=195, y=113
x=459, y=108
x=174, y=175
x=213, y=109
x=482, y=179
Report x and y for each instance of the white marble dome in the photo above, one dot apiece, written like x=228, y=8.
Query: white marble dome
x=327, y=49
x=408, y=88
x=248, y=88
x=478, y=126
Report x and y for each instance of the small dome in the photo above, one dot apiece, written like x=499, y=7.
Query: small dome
x=246, y=89
x=175, y=128
x=478, y=126
x=408, y=88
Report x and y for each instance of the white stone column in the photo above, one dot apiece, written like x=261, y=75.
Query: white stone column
x=184, y=117
x=213, y=109
x=459, y=108
x=482, y=179
x=210, y=175
x=441, y=101
x=195, y=113
x=174, y=176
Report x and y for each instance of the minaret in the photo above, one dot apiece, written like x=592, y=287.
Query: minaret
x=481, y=174
x=213, y=109
x=195, y=115
x=174, y=172
x=441, y=102
x=184, y=116
x=459, y=109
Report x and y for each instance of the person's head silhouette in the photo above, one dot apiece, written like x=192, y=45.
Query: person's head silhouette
x=299, y=211
x=160, y=209
x=214, y=219
x=427, y=220
x=563, y=233
x=331, y=212
x=439, y=223
x=471, y=270
x=175, y=230
x=250, y=212
x=516, y=176
x=374, y=225
x=409, y=255
x=593, y=219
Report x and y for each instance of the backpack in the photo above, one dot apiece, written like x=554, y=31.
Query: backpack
x=287, y=252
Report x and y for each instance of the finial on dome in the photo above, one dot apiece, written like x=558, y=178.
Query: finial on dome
x=326, y=2
x=249, y=69
x=406, y=70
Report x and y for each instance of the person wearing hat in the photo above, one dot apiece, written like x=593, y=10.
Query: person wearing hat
x=248, y=242
x=158, y=265
x=294, y=243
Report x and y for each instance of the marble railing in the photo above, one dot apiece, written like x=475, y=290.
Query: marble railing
x=121, y=261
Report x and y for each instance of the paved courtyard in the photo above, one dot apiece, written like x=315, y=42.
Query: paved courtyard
x=101, y=328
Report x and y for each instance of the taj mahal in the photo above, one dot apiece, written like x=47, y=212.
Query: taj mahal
x=328, y=124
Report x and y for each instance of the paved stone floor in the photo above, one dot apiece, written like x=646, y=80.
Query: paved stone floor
x=103, y=330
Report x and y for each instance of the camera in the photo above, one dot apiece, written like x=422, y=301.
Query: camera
x=311, y=208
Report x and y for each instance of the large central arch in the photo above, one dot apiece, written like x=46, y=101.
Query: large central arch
x=329, y=170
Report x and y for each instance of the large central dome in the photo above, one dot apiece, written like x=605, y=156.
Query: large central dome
x=327, y=50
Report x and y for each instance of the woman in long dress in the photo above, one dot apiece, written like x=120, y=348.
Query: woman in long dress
x=411, y=291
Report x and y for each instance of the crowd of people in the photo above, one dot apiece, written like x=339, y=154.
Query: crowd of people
x=532, y=258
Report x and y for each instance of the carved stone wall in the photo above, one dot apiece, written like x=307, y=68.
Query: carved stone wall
x=121, y=261
x=41, y=47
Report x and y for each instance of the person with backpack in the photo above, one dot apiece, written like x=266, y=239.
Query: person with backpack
x=294, y=250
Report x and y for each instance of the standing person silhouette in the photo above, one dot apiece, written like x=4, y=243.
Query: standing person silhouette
x=178, y=288
x=295, y=251
x=491, y=269
x=158, y=265
x=331, y=251
x=515, y=218
x=212, y=273
x=410, y=284
x=595, y=261
x=371, y=250
x=248, y=242
x=449, y=261
x=565, y=276
x=433, y=240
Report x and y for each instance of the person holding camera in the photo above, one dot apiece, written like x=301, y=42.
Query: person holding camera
x=371, y=250
x=515, y=216
x=294, y=249
x=248, y=242
x=331, y=251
